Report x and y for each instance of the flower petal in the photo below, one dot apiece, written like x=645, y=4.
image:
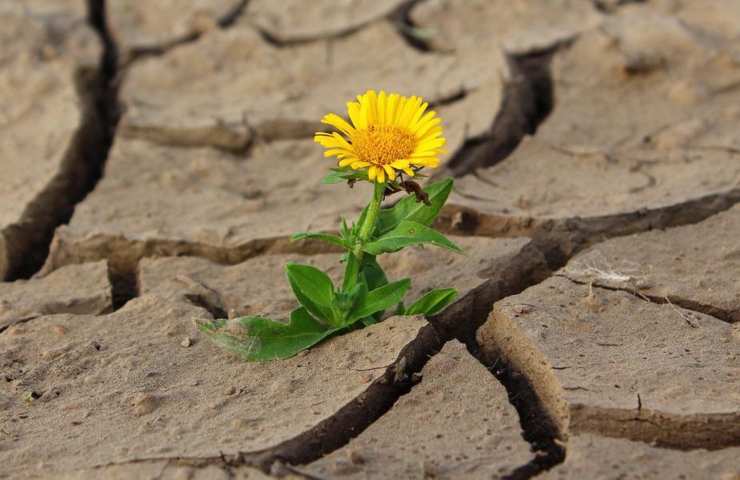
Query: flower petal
x=392, y=109
x=339, y=123
x=419, y=123
x=347, y=161
x=380, y=176
x=354, y=110
x=427, y=127
x=417, y=115
x=382, y=97
x=370, y=100
x=404, y=118
x=358, y=164
x=390, y=172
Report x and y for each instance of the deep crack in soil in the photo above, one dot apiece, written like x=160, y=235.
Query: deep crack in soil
x=528, y=99
x=401, y=20
x=139, y=52
x=729, y=316
x=27, y=242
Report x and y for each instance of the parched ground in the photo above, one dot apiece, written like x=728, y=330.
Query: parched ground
x=156, y=156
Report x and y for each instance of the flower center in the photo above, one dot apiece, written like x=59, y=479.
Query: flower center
x=383, y=144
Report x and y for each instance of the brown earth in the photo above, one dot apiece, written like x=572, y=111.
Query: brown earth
x=157, y=156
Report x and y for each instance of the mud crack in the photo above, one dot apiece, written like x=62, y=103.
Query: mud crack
x=407, y=29
x=136, y=53
x=27, y=242
x=532, y=265
x=528, y=99
x=729, y=316
x=337, y=430
x=682, y=432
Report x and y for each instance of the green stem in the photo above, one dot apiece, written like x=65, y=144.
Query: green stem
x=354, y=257
x=371, y=218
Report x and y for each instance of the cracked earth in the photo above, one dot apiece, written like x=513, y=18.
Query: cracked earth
x=157, y=155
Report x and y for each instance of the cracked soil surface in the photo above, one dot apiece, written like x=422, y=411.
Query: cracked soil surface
x=157, y=156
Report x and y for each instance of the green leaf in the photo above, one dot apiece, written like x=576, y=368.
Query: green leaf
x=338, y=175
x=360, y=221
x=313, y=289
x=433, y=302
x=325, y=237
x=408, y=233
x=346, y=233
x=409, y=209
x=332, y=177
x=380, y=299
x=374, y=277
x=346, y=301
x=372, y=272
x=351, y=271
x=264, y=339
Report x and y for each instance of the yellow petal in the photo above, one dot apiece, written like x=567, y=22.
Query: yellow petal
x=382, y=97
x=339, y=123
x=340, y=141
x=357, y=164
x=380, y=176
x=400, y=108
x=371, y=101
x=427, y=127
x=371, y=172
x=391, y=173
x=433, y=132
x=392, y=109
x=431, y=162
x=430, y=144
x=338, y=152
x=347, y=161
x=412, y=104
x=354, y=111
x=326, y=141
x=417, y=114
x=427, y=117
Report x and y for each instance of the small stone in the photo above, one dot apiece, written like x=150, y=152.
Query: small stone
x=356, y=457
x=186, y=342
x=202, y=22
x=522, y=309
x=230, y=391
x=643, y=284
x=59, y=330
x=344, y=467
x=144, y=403
x=15, y=331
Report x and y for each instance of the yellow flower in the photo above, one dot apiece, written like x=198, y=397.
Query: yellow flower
x=388, y=133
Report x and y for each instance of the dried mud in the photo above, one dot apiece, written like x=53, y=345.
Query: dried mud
x=597, y=163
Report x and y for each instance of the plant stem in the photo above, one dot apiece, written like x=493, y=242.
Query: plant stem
x=354, y=257
x=370, y=219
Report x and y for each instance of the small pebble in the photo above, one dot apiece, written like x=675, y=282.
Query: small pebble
x=59, y=330
x=143, y=403
x=186, y=342
x=356, y=457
